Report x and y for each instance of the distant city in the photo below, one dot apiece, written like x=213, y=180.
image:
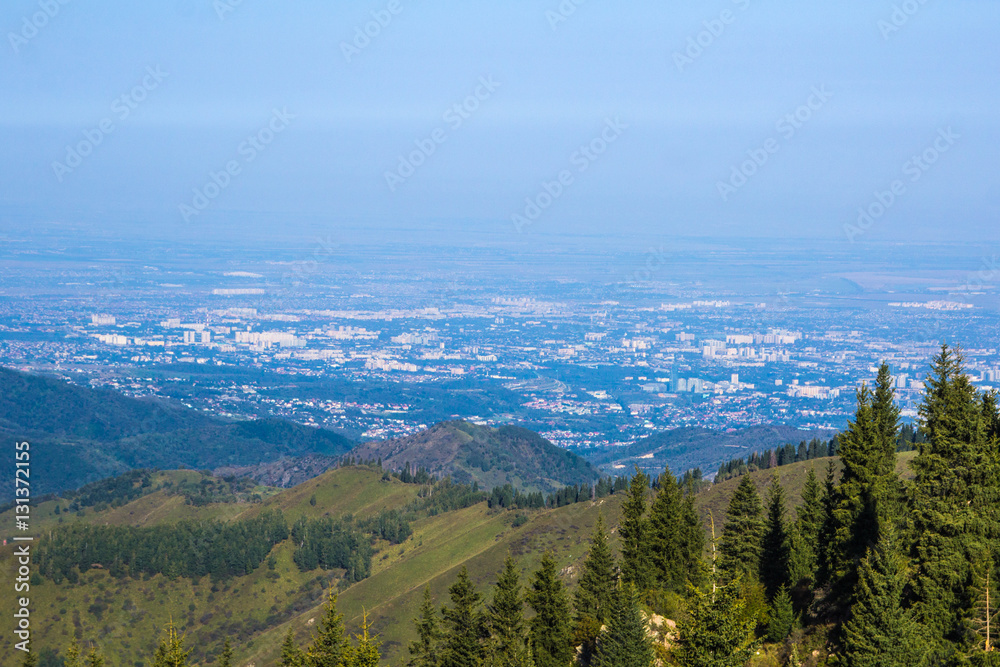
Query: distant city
x=377, y=354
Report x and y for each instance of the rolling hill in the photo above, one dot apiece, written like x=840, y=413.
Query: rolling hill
x=79, y=434
x=490, y=456
x=124, y=615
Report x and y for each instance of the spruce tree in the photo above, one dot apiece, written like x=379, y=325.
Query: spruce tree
x=72, y=656
x=508, y=639
x=955, y=499
x=880, y=632
x=464, y=628
x=291, y=654
x=870, y=495
x=828, y=528
x=774, y=546
x=226, y=657
x=637, y=557
x=95, y=659
x=365, y=653
x=718, y=631
x=329, y=644
x=170, y=652
x=597, y=580
x=804, y=535
x=665, y=524
x=782, y=619
x=551, y=639
x=854, y=516
x=595, y=591
x=30, y=659
x=626, y=642
x=425, y=651
x=739, y=548
x=692, y=542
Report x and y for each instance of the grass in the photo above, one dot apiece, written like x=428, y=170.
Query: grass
x=124, y=617
x=714, y=500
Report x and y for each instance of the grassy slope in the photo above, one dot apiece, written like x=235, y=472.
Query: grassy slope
x=124, y=616
x=266, y=603
x=136, y=609
x=715, y=499
x=440, y=546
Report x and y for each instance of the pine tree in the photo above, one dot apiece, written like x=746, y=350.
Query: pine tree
x=170, y=652
x=72, y=656
x=626, y=642
x=870, y=494
x=774, y=546
x=30, y=659
x=464, y=626
x=366, y=651
x=665, y=518
x=551, y=641
x=329, y=645
x=637, y=557
x=291, y=654
x=955, y=499
x=508, y=640
x=597, y=581
x=782, y=619
x=804, y=536
x=95, y=659
x=880, y=632
x=425, y=651
x=596, y=590
x=717, y=631
x=739, y=548
x=692, y=542
x=828, y=528
x=226, y=657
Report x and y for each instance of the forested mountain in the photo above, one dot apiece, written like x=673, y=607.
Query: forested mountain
x=80, y=434
x=488, y=456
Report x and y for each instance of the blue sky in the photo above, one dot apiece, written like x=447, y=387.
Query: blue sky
x=669, y=98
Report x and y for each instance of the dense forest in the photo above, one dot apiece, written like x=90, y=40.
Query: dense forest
x=872, y=569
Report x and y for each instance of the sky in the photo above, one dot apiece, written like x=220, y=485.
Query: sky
x=848, y=122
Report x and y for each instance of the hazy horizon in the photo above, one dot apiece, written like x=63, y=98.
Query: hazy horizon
x=672, y=99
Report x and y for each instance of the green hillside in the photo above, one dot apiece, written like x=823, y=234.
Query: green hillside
x=714, y=499
x=80, y=434
x=124, y=615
